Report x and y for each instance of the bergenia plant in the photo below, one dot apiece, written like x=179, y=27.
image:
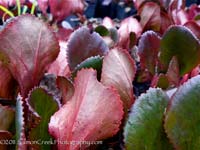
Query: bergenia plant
x=129, y=85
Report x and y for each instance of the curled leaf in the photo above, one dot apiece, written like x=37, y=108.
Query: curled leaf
x=83, y=44
x=28, y=46
x=179, y=41
x=87, y=115
x=182, y=117
x=119, y=71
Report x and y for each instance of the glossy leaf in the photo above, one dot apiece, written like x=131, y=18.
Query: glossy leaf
x=7, y=116
x=180, y=42
x=83, y=44
x=144, y=128
x=20, y=124
x=183, y=117
x=27, y=45
x=66, y=87
x=119, y=71
x=45, y=106
x=148, y=49
x=87, y=116
x=92, y=62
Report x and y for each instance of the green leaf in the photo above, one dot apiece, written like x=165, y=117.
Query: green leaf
x=183, y=116
x=7, y=116
x=102, y=30
x=92, y=62
x=45, y=106
x=144, y=128
x=179, y=41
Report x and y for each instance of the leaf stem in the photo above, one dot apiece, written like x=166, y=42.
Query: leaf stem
x=33, y=7
x=25, y=8
x=4, y=9
x=18, y=7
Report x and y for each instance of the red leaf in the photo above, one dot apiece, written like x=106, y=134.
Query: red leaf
x=93, y=113
x=63, y=34
x=127, y=26
x=66, y=87
x=5, y=136
x=166, y=21
x=60, y=66
x=28, y=46
x=7, y=83
x=63, y=8
x=119, y=71
x=148, y=49
x=82, y=44
x=150, y=16
x=194, y=27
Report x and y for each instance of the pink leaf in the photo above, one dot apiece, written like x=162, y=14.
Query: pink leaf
x=28, y=46
x=150, y=16
x=148, y=49
x=93, y=113
x=63, y=8
x=166, y=21
x=119, y=71
x=127, y=26
x=82, y=44
x=63, y=34
x=60, y=66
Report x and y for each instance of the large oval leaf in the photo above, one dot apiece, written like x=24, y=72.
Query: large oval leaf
x=28, y=46
x=119, y=71
x=180, y=42
x=183, y=116
x=83, y=44
x=148, y=49
x=93, y=113
x=144, y=128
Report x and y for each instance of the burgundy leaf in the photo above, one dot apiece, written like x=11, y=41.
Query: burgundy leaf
x=93, y=113
x=60, y=66
x=128, y=26
x=194, y=27
x=119, y=71
x=61, y=9
x=7, y=83
x=166, y=21
x=28, y=46
x=82, y=44
x=148, y=49
x=63, y=34
x=193, y=11
x=150, y=16
x=66, y=87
